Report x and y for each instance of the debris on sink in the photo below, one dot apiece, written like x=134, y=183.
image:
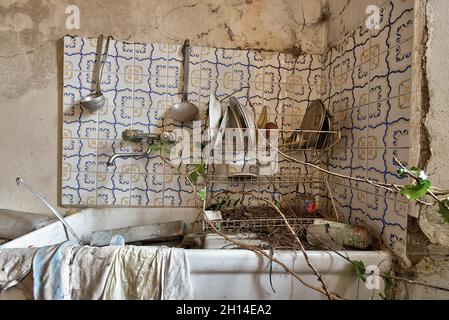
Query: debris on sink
x=337, y=235
x=192, y=241
x=213, y=215
x=302, y=205
x=263, y=227
x=166, y=233
x=264, y=212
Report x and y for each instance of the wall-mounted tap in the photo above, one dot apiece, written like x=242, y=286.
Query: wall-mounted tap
x=138, y=136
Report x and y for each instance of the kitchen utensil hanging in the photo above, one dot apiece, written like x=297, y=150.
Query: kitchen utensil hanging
x=96, y=100
x=185, y=111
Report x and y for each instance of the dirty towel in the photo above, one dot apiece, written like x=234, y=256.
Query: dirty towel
x=90, y=271
x=15, y=265
x=69, y=271
x=147, y=273
x=51, y=271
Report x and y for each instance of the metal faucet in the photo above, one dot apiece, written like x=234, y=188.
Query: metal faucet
x=138, y=136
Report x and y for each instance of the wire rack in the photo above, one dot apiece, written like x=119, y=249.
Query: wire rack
x=285, y=179
x=304, y=145
x=291, y=140
x=270, y=151
x=234, y=225
x=308, y=140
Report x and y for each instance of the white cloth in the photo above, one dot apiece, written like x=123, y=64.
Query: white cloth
x=151, y=273
x=51, y=271
x=15, y=265
x=68, y=271
x=91, y=268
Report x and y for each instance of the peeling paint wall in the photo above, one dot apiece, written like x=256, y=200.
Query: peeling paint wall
x=31, y=58
x=429, y=243
x=347, y=15
x=436, y=119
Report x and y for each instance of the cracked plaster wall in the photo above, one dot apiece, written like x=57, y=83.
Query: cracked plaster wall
x=30, y=58
x=31, y=54
x=431, y=222
x=429, y=244
x=347, y=15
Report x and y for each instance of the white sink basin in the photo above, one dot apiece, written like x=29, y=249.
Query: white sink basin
x=229, y=274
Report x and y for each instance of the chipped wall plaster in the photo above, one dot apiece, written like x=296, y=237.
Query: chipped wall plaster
x=431, y=222
x=347, y=15
x=431, y=260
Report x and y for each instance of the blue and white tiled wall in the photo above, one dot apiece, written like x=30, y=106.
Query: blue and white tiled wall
x=364, y=80
x=140, y=82
x=367, y=88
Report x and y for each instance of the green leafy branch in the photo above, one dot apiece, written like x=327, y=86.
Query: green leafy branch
x=225, y=203
x=389, y=280
x=414, y=192
x=193, y=176
x=199, y=171
x=360, y=271
x=420, y=188
x=159, y=146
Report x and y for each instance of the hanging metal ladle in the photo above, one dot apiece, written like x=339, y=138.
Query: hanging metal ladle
x=185, y=111
x=96, y=100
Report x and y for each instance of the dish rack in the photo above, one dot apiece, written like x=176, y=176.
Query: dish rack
x=302, y=145
x=236, y=225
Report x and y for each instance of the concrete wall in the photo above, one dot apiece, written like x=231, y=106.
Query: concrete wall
x=347, y=15
x=429, y=240
x=31, y=58
x=436, y=118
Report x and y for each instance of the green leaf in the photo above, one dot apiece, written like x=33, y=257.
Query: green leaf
x=444, y=210
x=388, y=285
x=414, y=171
x=193, y=176
x=360, y=270
x=278, y=205
x=202, y=194
x=221, y=204
x=416, y=191
x=156, y=146
x=201, y=168
x=402, y=173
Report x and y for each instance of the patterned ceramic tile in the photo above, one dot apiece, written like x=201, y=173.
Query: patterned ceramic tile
x=364, y=80
x=140, y=82
x=373, y=109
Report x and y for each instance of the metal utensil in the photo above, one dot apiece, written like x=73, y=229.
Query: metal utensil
x=223, y=124
x=185, y=111
x=96, y=100
x=313, y=121
x=251, y=128
x=215, y=111
x=236, y=121
x=324, y=139
x=311, y=125
x=263, y=118
x=49, y=206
